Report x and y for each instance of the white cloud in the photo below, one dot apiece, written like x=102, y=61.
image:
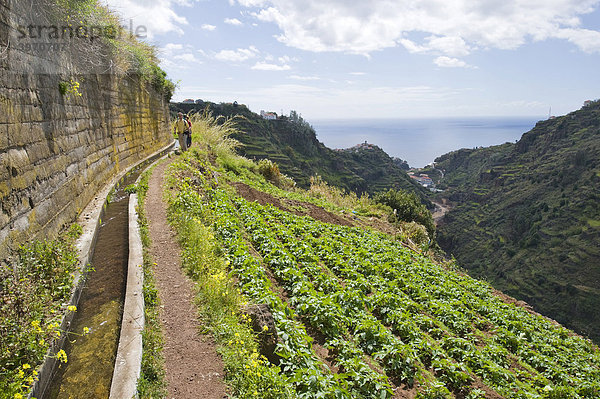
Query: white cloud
x=298, y=77
x=357, y=73
x=187, y=57
x=233, y=21
x=176, y=55
x=264, y=66
x=450, y=45
x=327, y=102
x=448, y=62
x=208, y=27
x=455, y=28
x=286, y=59
x=170, y=47
x=156, y=16
x=585, y=39
x=239, y=55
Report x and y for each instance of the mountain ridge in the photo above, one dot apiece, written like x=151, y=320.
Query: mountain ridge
x=526, y=217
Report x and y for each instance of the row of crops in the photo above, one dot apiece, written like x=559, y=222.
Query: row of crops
x=387, y=316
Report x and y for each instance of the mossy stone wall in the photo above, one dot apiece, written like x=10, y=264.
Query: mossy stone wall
x=57, y=150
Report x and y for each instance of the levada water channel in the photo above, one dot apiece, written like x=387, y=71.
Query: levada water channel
x=89, y=369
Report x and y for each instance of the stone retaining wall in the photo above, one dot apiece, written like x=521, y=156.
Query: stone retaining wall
x=57, y=150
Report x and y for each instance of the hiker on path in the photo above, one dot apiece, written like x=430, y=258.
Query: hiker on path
x=189, y=131
x=179, y=127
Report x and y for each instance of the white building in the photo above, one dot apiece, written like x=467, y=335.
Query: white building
x=268, y=115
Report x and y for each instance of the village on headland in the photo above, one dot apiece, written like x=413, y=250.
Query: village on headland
x=416, y=174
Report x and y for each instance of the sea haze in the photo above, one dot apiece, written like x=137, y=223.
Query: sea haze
x=420, y=141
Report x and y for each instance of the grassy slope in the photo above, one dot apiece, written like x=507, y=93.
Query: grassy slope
x=300, y=155
x=359, y=314
x=527, y=217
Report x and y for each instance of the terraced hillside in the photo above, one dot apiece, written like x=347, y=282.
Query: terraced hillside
x=526, y=216
x=356, y=312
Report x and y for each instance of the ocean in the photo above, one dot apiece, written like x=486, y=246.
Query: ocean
x=420, y=141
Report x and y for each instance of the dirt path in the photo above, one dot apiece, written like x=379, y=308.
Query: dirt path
x=440, y=210
x=193, y=367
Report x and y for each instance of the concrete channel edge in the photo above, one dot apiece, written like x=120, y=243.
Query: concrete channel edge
x=129, y=353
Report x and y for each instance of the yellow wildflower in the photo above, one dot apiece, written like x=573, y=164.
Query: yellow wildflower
x=61, y=356
x=26, y=366
x=72, y=308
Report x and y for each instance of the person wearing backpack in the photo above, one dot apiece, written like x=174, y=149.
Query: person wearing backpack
x=189, y=131
x=180, y=127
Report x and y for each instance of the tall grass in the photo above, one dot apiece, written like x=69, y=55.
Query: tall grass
x=213, y=133
x=109, y=49
x=348, y=200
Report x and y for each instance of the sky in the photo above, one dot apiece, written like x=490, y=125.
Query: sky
x=340, y=59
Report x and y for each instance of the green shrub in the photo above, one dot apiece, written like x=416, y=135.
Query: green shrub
x=32, y=298
x=416, y=232
x=407, y=208
x=269, y=169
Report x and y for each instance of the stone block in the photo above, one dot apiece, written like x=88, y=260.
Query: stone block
x=18, y=134
x=4, y=219
x=38, y=151
x=22, y=223
x=72, y=169
x=5, y=244
x=24, y=180
x=17, y=160
x=45, y=211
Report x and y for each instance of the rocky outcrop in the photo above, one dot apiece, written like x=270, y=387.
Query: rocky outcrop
x=263, y=325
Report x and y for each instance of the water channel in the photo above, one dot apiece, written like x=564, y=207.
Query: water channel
x=89, y=369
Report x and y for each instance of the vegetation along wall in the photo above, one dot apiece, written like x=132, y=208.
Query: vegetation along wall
x=74, y=111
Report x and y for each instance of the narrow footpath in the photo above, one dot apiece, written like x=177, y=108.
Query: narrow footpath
x=193, y=367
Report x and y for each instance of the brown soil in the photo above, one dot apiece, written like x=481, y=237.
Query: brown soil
x=489, y=392
x=193, y=367
x=404, y=392
x=296, y=207
x=301, y=208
